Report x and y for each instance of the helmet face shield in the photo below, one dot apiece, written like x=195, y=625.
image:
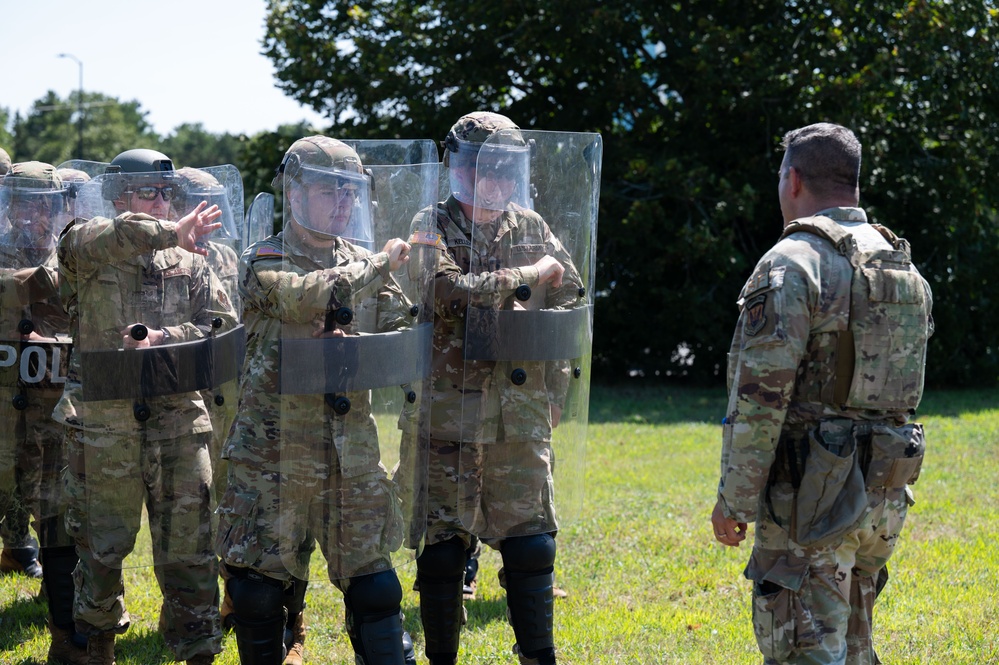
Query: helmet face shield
x=493, y=176
x=331, y=202
x=36, y=216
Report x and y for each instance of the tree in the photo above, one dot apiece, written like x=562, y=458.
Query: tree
x=49, y=131
x=692, y=99
x=191, y=145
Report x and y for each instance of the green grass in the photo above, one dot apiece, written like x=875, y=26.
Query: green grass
x=646, y=581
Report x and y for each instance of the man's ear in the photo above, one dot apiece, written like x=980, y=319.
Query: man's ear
x=797, y=184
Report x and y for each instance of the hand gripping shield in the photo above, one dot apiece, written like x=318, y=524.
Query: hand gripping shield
x=354, y=362
x=35, y=347
x=156, y=329
x=527, y=345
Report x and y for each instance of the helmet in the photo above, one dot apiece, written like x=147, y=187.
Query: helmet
x=4, y=162
x=132, y=166
x=321, y=151
x=73, y=175
x=506, y=156
x=320, y=160
x=32, y=197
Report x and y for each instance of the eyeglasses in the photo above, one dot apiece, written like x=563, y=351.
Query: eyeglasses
x=149, y=193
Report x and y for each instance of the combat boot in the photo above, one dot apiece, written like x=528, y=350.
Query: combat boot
x=294, y=640
x=65, y=649
x=21, y=560
x=100, y=649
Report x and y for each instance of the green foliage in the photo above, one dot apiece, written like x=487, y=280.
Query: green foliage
x=49, y=132
x=191, y=145
x=647, y=583
x=692, y=99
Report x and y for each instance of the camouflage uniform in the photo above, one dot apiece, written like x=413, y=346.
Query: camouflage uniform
x=813, y=592
x=108, y=269
x=299, y=472
x=344, y=448
x=224, y=262
x=511, y=483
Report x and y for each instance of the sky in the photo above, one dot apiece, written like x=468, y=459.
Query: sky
x=184, y=61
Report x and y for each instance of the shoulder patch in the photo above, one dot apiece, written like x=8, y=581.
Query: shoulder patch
x=759, y=280
x=269, y=252
x=428, y=238
x=756, y=314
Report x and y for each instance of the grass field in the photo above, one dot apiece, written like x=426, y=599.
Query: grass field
x=647, y=583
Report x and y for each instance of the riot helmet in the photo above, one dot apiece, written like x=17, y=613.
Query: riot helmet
x=33, y=200
x=141, y=180
x=326, y=189
x=197, y=185
x=489, y=162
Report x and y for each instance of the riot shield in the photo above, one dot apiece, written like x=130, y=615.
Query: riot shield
x=527, y=346
x=91, y=168
x=34, y=353
x=259, y=219
x=155, y=328
x=354, y=365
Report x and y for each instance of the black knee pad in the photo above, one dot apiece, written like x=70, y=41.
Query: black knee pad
x=442, y=561
x=372, y=597
x=255, y=597
x=529, y=554
x=294, y=597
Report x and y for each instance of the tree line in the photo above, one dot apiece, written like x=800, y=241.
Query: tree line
x=692, y=99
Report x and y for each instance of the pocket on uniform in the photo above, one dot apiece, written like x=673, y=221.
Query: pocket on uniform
x=832, y=498
x=236, y=541
x=896, y=456
x=782, y=614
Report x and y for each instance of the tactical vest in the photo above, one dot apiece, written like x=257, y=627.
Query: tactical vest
x=881, y=357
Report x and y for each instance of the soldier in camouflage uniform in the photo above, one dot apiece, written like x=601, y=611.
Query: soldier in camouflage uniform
x=497, y=435
x=825, y=372
x=36, y=328
x=124, y=455
x=299, y=471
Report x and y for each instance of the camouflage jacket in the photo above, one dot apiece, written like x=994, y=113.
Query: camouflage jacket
x=475, y=400
x=116, y=272
x=29, y=291
x=792, y=309
x=287, y=292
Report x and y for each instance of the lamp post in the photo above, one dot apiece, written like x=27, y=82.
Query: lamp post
x=79, y=102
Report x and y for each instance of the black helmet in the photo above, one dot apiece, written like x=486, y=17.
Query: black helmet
x=131, y=166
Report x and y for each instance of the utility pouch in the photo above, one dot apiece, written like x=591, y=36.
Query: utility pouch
x=832, y=499
x=896, y=456
x=782, y=604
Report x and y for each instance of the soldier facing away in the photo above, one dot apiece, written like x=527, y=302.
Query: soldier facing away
x=825, y=373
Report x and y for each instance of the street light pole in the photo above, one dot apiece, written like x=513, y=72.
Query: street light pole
x=79, y=102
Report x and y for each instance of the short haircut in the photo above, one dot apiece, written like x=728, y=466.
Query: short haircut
x=826, y=157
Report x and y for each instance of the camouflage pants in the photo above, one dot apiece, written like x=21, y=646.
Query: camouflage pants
x=32, y=459
x=110, y=479
x=814, y=606
x=492, y=490
x=271, y=521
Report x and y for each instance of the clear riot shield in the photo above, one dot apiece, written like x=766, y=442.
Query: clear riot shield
x=259, y=219
x=155, y=328
x=527, y=346
x=91, y=168
x=35, y=347
x=354, y=364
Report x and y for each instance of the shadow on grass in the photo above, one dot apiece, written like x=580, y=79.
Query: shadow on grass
x=655, y=405
x=19, y=620
x=145, y=647
x=663, y=405
x=481, y=613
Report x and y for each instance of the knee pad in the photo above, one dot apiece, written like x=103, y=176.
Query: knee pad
x=255, y=598
x=529, y=554
x=372, y=597
x=294, y=597
x=442, y=561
